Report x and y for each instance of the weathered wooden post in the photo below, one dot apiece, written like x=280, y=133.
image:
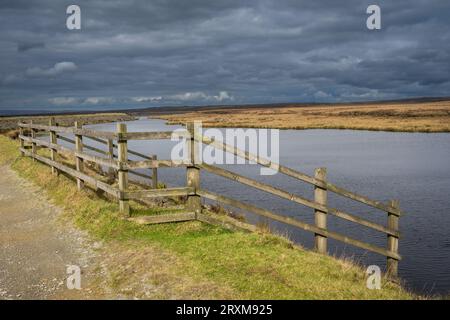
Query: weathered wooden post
x=79, y=148
x=53, y=140
x=320, y=196
x=155, y=174
x=122, y=152
x=110, y=145
x=392, y=241
x=33, y=144
x=192, y=172
x=22, y=144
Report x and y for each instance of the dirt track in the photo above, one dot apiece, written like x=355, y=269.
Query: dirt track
x=36, y=247
x=37, y=243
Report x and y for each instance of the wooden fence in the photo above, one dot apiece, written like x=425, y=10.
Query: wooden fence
x=120, y=163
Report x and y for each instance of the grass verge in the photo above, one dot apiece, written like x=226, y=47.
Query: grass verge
x=245, y=265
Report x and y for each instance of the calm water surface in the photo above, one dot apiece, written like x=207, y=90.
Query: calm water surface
x=411, y=167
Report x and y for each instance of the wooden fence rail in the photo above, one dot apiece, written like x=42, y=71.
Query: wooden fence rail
x=115, y=156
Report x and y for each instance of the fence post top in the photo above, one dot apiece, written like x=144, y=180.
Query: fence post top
x=121, y=127
x=395, y=203
x=190, y=126
x=320, y=171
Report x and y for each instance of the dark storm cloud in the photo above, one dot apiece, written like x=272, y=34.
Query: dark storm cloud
x=25, y=46
x=164, y=52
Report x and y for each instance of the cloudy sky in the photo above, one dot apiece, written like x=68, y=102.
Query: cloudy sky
x=132, y=53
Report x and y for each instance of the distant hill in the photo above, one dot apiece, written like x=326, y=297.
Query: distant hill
x=179, y=109
x=183, y=109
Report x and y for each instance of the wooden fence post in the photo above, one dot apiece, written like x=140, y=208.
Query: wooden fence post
x=53, y=140
x=110, y=145
x=122, y=152
x=155, y=174
x=392, y=241
x=320, y=196
x=33, y=144
x=79, y=148
x=22, y=143
x=110, y=148
x=192, y=172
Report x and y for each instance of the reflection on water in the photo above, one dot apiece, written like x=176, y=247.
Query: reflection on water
x=411, y=167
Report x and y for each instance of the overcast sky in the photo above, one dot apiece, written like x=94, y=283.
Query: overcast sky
x=192, y=52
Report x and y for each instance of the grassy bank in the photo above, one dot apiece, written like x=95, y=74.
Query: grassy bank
x=241, y=265
x=402, y=117
x=10, y=123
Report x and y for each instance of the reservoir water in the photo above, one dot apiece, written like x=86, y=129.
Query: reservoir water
x=411, y=167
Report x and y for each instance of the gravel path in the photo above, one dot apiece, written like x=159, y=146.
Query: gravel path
x=36, y=246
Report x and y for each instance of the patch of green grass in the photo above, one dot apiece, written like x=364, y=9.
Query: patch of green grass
x=9, y=150
x=255, y=266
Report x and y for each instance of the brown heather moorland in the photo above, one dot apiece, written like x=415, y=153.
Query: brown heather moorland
x=395, y=116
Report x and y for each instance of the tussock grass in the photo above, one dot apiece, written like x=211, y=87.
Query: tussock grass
x=240, y=265
x=396, y=117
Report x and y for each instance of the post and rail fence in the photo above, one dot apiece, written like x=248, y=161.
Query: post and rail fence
x=120, y=164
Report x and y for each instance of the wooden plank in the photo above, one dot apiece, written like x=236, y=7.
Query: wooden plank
x=139, y=154
x=112, y=145
x=363, y=222
x=49, y=145
x=262, y=186
x=99, y=160
x=85, y=146
x=76, y=131
x=150, y=164
x=65, y=139
x=320, y=217
x=142, y=175
x=164, y=218
x=47, y=128
x=354, y=196
x=96, y=133
x=156, y=193
x=226, y=222
x=107, y=162
x=297, y=223
x=148, y=135
x=102, y=141
x=86, y=178
x=256, y=159
x=286, y=195
x=298, y=175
